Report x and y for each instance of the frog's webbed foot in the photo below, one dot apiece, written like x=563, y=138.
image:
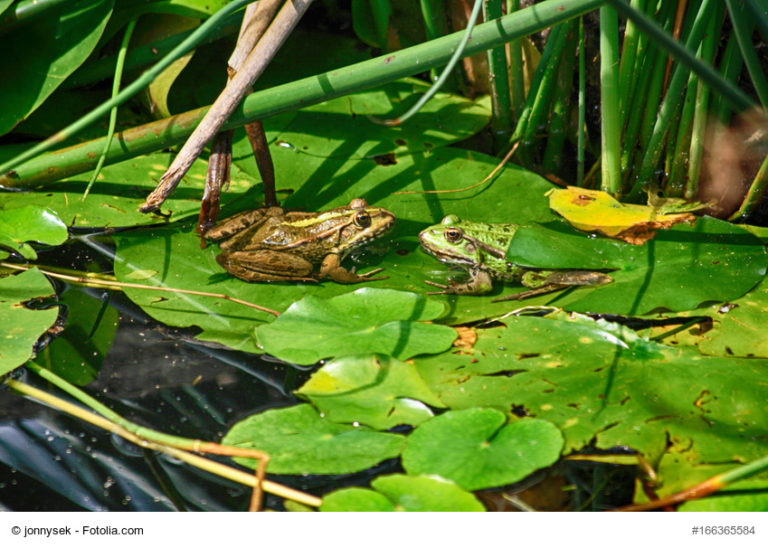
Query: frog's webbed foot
x=446, y=289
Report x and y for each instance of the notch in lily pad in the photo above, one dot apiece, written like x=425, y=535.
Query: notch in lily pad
x=369, y=320
x=476, y=449
x=375, y=390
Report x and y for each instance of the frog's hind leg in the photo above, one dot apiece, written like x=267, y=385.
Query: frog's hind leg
x=267, y=266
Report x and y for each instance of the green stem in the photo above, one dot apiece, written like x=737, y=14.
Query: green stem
x=298, y=94
x=581, y=124
x=558, y=118
x=501, y=118
x=516, y=70
x=25, y=11
x=129, y=91
x=742, y=29
x=609, y=101
x=730, y=68
x=113, y=113
x=755, y=194
x=654, y=148
x=738, y=99
x=435, y=26
x=627, y=75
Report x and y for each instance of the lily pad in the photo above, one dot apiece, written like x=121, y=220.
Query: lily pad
x=602, y=384
x=375, y=390
x=299, y=441
x=743, y=496
x=399, y=492
x=367, y=320
x=120, y=189
x=679, y=269
x=21, y=326
x=477, y=450
x=30, y=223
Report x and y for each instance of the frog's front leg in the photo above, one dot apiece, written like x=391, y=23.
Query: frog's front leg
x=266, y=266
x=479, y=283
x=331, y=268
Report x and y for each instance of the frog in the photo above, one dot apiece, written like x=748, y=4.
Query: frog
x=272, y=244
x=480, y=248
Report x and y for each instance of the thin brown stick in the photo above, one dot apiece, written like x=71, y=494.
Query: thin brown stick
x=90, y=282
x=228, y=101
x=488, y=178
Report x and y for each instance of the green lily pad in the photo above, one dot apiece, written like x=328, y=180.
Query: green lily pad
x=30, y=223
x=367, y=320
x=299, y=441
x=678, y=270
x=375, y=390
x=120, y=189
x=399, y=492
x=602, y=384
x=476, y=449
x=21, y=326
x=40, y=56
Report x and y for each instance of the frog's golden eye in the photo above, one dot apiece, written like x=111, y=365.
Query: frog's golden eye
x=362, y=219
x=453, y=235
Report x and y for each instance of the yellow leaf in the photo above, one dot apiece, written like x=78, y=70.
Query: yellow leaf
x=597, y=211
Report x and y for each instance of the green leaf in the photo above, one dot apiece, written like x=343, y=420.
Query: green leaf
x=40, y=56
x=20, y=327
x=399, y=492
x=603, y=385
x=377, y=391
x=120, y=189
x=77, y=354
x=299, y=441
x=477, y=450
x=30, y=224
x=678, y=270
x=367, y=320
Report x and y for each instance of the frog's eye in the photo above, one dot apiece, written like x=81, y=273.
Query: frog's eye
x=362, y=219
x=453, y=235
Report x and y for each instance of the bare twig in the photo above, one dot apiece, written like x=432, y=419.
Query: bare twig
x=228, y=101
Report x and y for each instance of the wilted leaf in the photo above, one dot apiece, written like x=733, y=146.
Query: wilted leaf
x=597, y=211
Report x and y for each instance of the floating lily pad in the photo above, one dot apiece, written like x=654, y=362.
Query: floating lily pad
x=476, y=449
x=403, y=493
x=368, y=320
x=602, y=384
x=29, y=223
x=120, y=189
x=375, y=390
x=299, y=441
x=21, y=327
x=678, y=270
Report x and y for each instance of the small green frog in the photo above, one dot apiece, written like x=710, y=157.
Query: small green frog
x=481, y=249
x=271, y=244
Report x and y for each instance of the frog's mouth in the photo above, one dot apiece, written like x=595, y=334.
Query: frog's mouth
x=443, y=255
